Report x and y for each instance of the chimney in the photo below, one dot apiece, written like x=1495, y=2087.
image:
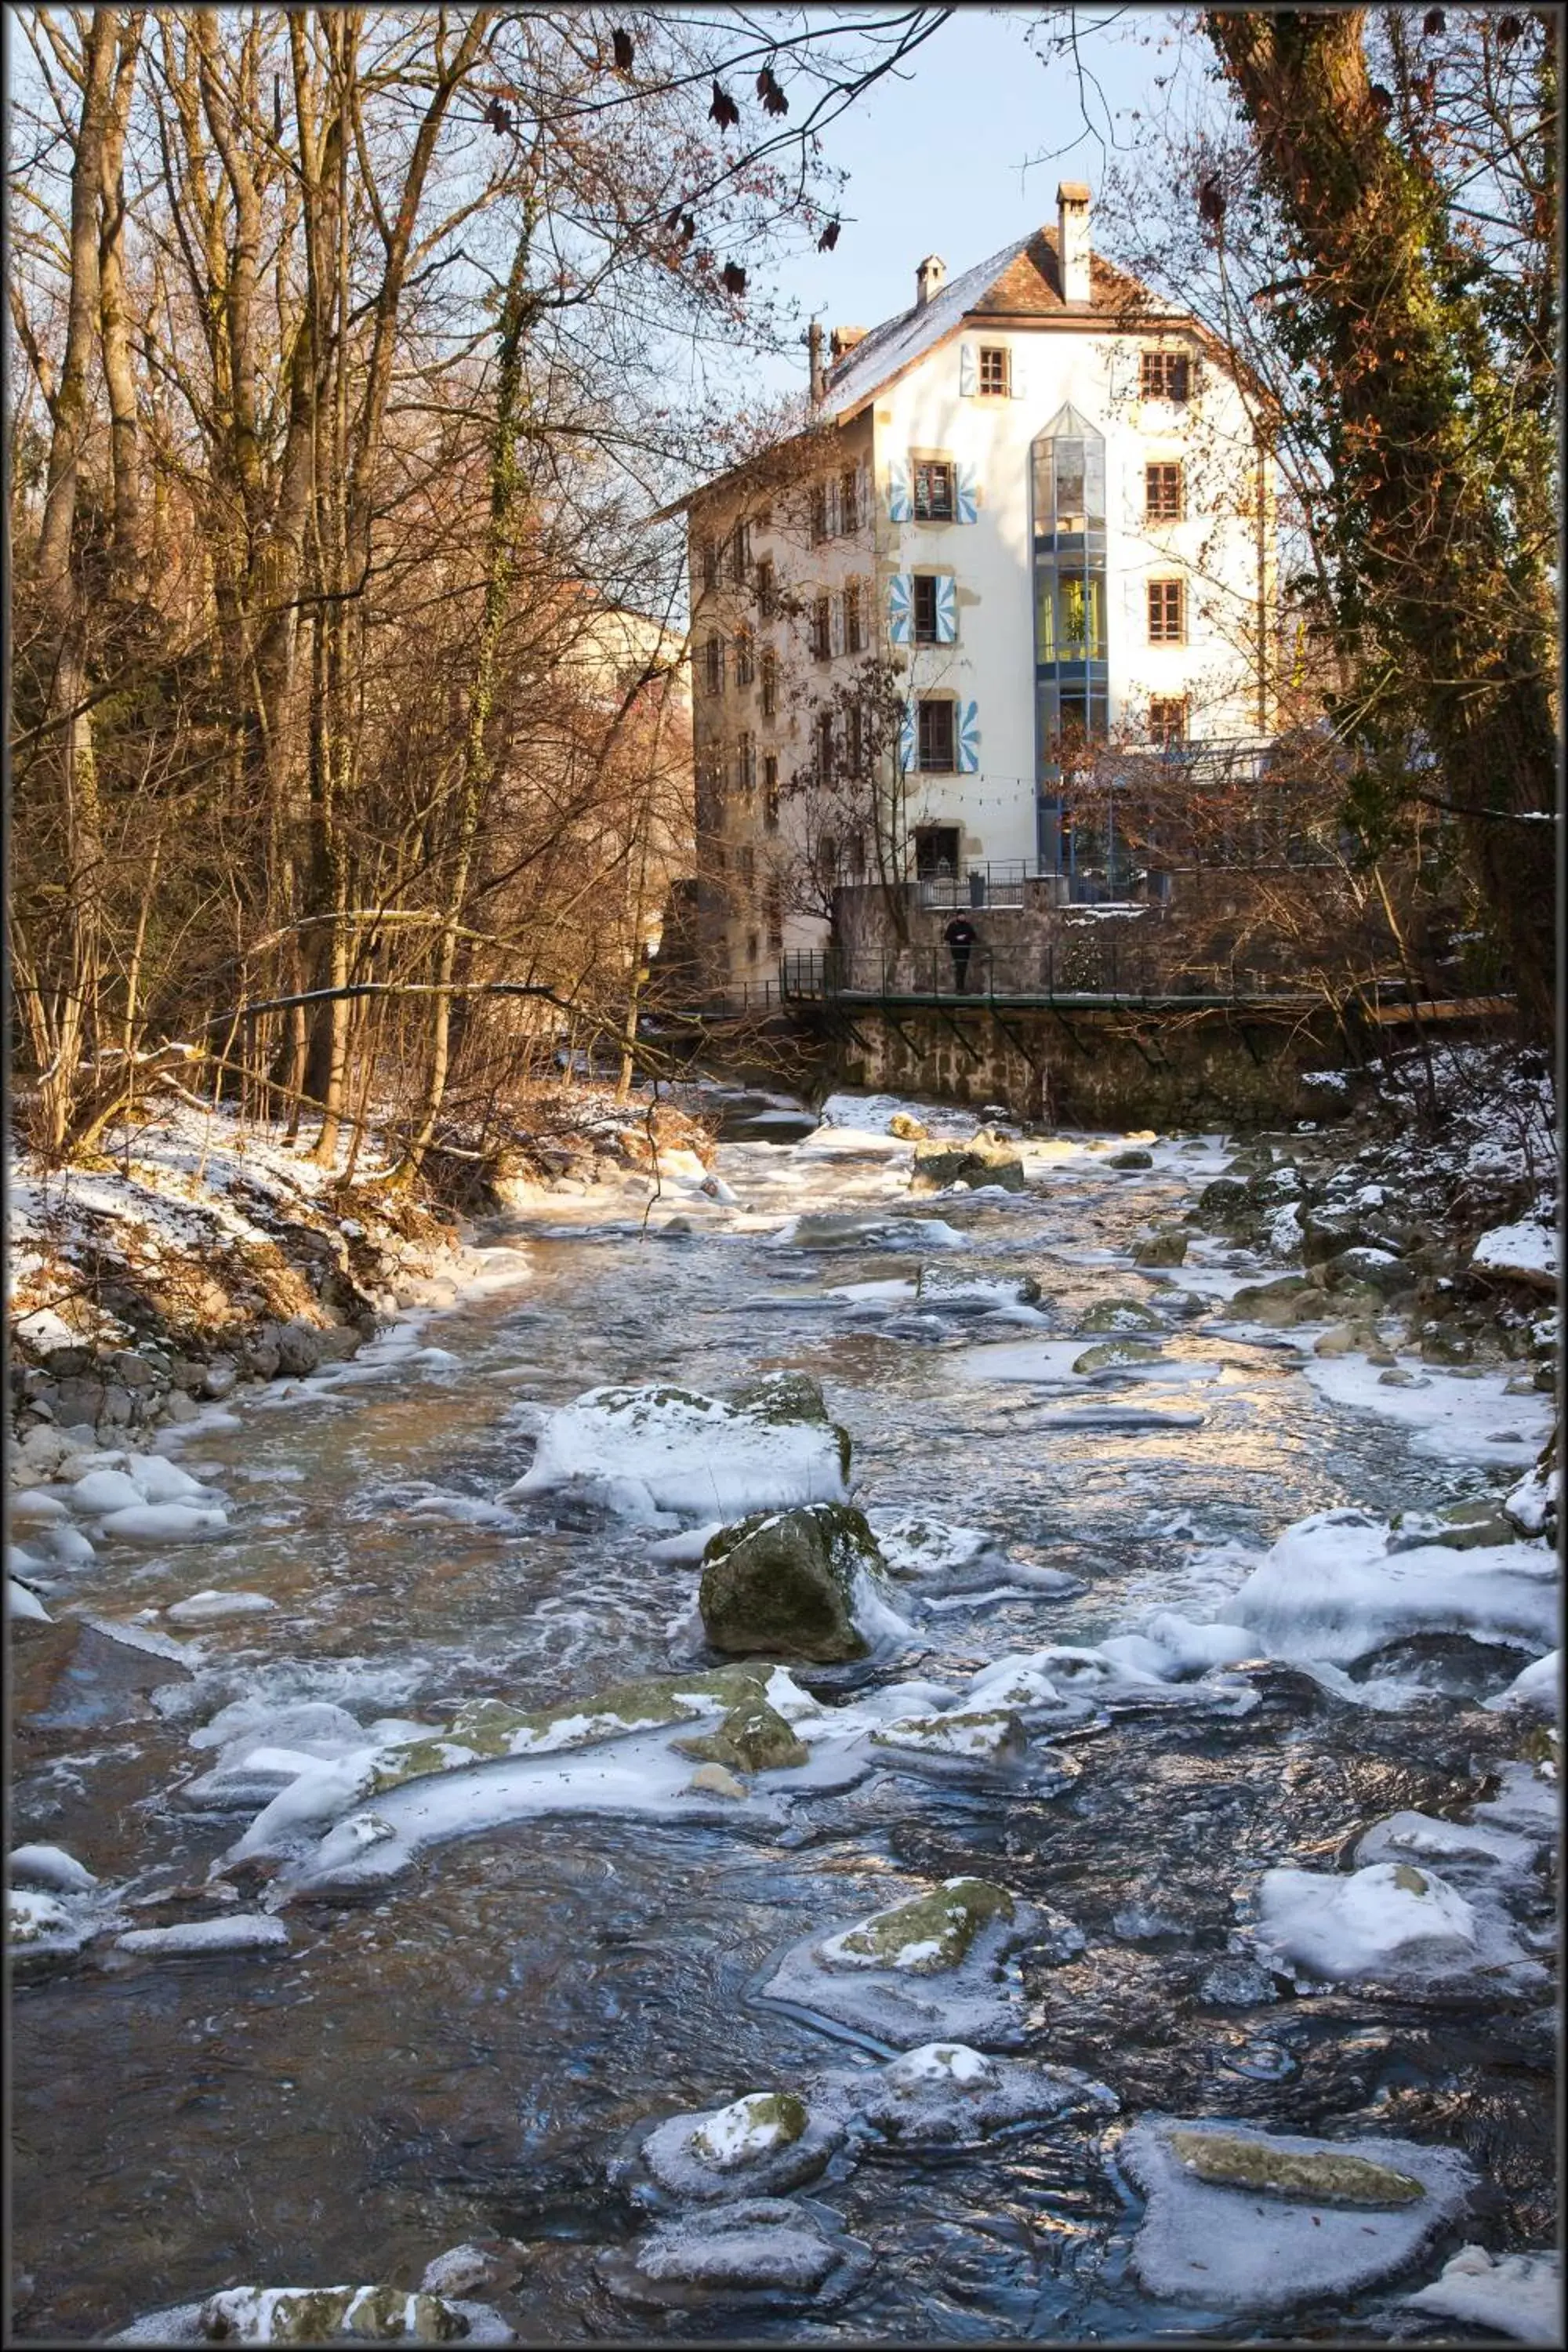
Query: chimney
x=1072, y=240
x=843, y=340
x=929, y=278
x=814, y=347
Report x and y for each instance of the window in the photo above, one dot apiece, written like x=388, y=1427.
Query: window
x=994, y=371
x=770, y=682
x=740, y=553
x=935, y=738
x=708, y=556
x=1168, y=720
x=824, y=731
x=933, y=489
x=775, y=905
x=827, y=859
x=767, y=592
x=822, y=628
x=771, y=794
x=1163, y=493
x=849, y=500
x=746, y=764
x=818, y=514
x=752, y=947
x=853, y=643
x=746, y=869
x=854, y=740
x=1167, y=376
x=936, y=851
x=1165, y=616
x=855, y=854
x=924, y=609
x=745, y=657
x=714, y=660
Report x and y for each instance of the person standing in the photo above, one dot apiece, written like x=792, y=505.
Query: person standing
x=962, y=936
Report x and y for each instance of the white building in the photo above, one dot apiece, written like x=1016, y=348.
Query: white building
x=1032, y=511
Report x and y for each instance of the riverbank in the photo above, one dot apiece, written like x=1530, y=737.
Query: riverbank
x=202, y=1254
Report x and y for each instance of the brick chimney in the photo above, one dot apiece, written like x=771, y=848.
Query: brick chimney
x=1072, y=240
x=929, y=278
x=814, y=349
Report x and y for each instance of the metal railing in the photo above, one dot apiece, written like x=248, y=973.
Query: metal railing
x=1074, y=970
x=994, y=882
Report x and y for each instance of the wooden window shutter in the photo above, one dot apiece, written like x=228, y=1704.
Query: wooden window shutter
x=969, y=738
x=1017, y=372
x=967, y=372
x=946, y=611
x=836, y=625
x=900, y=599
x=967, y=502
x=898, y=508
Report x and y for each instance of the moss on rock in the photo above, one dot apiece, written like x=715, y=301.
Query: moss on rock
x=1112, y=1353
x=1315, y=2177
x=489, y=1727
x=1166, y=1248
x=1121, y=1315
x=924, y=1936
x=782, y=1583
x=753, y=1738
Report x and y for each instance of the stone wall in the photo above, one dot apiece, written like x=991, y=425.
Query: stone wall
x=1096, y=1069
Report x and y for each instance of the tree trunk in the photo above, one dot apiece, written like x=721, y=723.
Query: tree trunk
x=1432, y=567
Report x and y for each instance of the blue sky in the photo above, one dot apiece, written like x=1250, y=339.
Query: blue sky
x=937, y=163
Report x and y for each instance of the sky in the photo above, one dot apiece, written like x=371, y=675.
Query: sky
x=944, y=162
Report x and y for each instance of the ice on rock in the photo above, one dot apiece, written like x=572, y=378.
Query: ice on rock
x=1539, y=1686
x=161, y=1523
x=944, y=2093
x=159, y=1480
x=235, y=1931
x=1519, y=2296
x=935, y=1964
x=105, y=1490
x=1424, y=1838
x=52, y=1867
x=1330, y=1589
x=1192, y=1649
x=23, y=1602
x=319, y=2314
x=1271, y=2220
x=763, y=2143
x=982, y=1736
x=694, y=1455
x=29, y=1508
x=32, y=1917
x=754, y=2244
x=1388, y=1918
x=208, y=1608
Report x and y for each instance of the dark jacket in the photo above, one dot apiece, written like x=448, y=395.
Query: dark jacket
x=960, y=932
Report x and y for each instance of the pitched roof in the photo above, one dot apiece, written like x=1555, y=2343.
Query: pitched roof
x=1022, y=281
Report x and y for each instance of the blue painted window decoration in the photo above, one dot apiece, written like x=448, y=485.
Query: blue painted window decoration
x=900, y=508
x=968, y=500
x=967, y=383
x=969, y=738
x=907, y=726
x=946, y=610
x=900, y=601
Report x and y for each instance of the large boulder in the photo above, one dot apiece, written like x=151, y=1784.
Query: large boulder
x=753, y=1738
x=1168, y=1246
x=981, y=1159
x=789, y=1583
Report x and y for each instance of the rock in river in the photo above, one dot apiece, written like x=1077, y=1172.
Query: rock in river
x=792, y=1584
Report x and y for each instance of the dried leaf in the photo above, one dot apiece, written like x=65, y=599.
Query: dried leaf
x=1508, y=28
x=773, y=98
x=1432, y=23
x=621, y=47
x=498, y=117
x=723, y=111
x=829, y=238
x=1211, y=202
x=732, y=277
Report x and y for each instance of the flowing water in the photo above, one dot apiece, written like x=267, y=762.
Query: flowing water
x=459, y=2055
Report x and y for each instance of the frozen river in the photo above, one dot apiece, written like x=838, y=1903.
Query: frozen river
x=461, y=2051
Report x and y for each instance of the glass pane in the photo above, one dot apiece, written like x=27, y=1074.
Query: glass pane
x=1069, y=479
